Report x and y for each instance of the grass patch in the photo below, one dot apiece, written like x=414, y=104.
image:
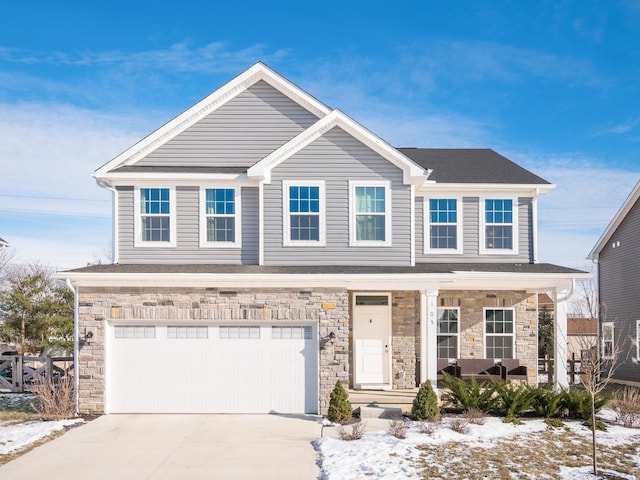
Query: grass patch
x=526, y=456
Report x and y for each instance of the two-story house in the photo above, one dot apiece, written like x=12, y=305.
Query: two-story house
x=617, y=255
x=266, y=246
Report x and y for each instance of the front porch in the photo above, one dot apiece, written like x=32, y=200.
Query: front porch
x=398, y=339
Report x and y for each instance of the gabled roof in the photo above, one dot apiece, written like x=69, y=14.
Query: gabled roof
x=413, y=173
x=3, y=243
x=471, y=165
x=615, y=223
x=230, y=90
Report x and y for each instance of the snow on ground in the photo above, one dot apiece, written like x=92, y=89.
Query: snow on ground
x=379, y=455
x=16, y=437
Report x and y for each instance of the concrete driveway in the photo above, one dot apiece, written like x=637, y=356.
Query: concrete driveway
x=177, y=447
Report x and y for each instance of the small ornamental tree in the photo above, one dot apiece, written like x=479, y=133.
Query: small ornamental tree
x=340, y=409
x=425, y=405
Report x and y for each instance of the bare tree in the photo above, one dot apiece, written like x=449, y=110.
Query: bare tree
x=6, y=257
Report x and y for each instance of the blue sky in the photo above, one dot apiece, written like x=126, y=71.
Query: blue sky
x=552, y=85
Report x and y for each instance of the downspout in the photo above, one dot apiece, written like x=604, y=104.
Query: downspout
x=534, y=222
x=114, y=217
x=76, y=344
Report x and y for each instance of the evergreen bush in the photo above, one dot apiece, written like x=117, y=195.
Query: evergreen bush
x=340, y=410
x=425, y=405
x=471, y=395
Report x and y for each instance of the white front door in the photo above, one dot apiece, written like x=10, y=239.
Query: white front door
x=372, y=341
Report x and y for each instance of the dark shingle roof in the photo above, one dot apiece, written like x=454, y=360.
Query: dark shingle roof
x=529, y=268
x=470, y=165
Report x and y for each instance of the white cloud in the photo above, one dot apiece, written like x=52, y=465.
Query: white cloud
x=572, y=217
x=52, y=211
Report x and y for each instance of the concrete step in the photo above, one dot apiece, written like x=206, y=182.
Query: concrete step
x=385, y=412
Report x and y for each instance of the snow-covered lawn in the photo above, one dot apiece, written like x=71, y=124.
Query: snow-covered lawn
x=18, y=428
x=20, y=436
x=493, y=450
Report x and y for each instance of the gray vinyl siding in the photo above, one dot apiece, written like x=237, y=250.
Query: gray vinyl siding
x=239, y=133
x=471, y=235
x=337, y=158
x=187, y=249
x=619, y=279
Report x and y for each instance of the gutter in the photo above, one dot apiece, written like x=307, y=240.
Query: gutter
x=76, y=343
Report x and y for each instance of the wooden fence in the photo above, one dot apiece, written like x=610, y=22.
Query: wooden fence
x=18, y=373
x=546, y=366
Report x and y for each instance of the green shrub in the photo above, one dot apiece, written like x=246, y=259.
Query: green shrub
x=554, y=422
x=599, y=425
x=425, y=405
x=548, y=403
x=340, y=410
x=512, y=420
x=469, y=395
x=513, y=400
x=578, y=403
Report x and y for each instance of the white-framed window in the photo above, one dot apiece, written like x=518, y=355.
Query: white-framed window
x=499, y=332
x=188, y=332
x=238, y=332
x=498, y=225
x=220, y=217
x=370, y=213
x=443, y=225
x=287, y=332
x=134, y=331
x=608, y=340
x=448, y=332
x=304, y=213
x=155, y=223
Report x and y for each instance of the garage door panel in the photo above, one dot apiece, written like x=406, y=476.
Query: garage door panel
x=220, y=373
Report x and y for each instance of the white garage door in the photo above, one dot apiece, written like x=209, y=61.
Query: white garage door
x=222, y=368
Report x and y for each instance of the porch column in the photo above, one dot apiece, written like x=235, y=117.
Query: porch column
x=428, y=336
x=561, y=379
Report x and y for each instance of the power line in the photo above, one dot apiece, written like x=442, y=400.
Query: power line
x=55, y=214
x=47, y=197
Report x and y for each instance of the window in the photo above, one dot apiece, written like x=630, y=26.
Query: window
x=291, y=332
x=499, y=333
x=220, y=224
x=134, y=331
x=444, y=230
x=370, y=214
x=448, y=332
x=303, y=213
x=236, y=332
x=608, y=340
x=155, y=222
x=187, y=332
x=499, y=229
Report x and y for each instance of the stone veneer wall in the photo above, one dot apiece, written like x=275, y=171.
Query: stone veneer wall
x=405, y=329
x=471, y=305
x=330, y=307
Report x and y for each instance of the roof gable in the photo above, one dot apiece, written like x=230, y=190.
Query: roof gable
x=258, y=72
x=412, y=172
x=617, y=220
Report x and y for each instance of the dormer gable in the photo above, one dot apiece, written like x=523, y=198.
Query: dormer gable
x=256, y=75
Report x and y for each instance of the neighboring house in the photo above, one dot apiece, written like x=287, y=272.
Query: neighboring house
x=617, y=254
x=267, y=246
x=582, y=334
x=3, y=243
